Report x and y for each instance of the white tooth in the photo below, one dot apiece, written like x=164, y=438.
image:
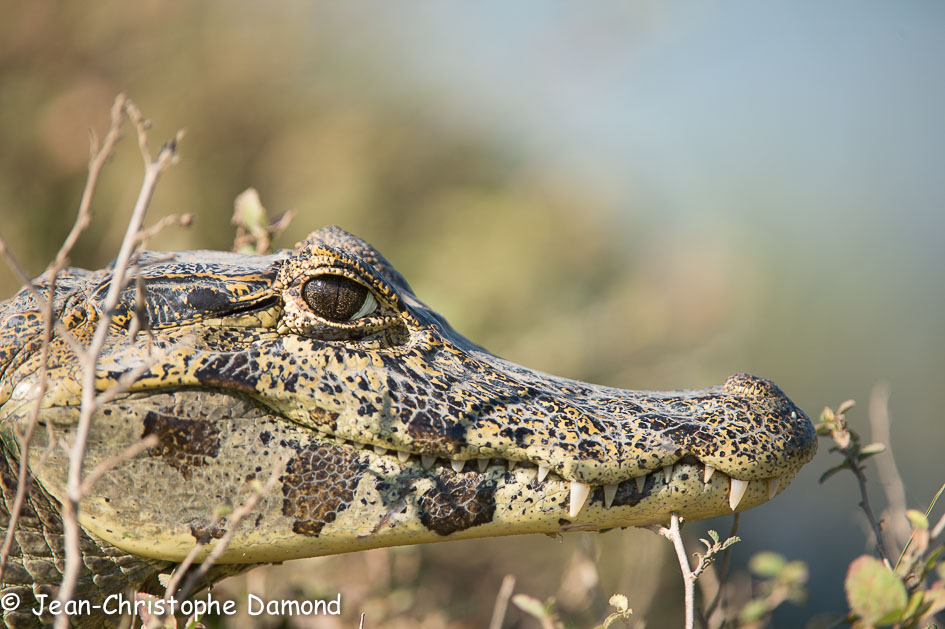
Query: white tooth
x=793, y=414
x=667, y=473
x=709, y=471
x=737, y=491
x=543, y=472
x=380, y=450
x=610, y=492
x=483, y=464
x=357, y=446
x=427, y=461
x=403, y=456
x=579, y=492
x=512, y=464
x=641, y=481
x=458, y=465
x=773, y=484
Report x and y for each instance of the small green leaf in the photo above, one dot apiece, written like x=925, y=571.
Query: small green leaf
x=753, y=610
x=531, y=606
x=834, y=470
x=767, y=564
x=872, y=448
x=935, y=599
x=913, y=605
x=874, y=592
x=917, y=519
x=734, y=539
x=795, y=572
x=713, y=535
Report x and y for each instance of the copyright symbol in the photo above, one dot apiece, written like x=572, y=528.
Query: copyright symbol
x=10, y=601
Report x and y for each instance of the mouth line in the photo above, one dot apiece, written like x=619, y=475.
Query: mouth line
x=608, y=494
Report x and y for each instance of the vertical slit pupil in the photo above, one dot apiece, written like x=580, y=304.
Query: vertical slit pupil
x=334, y=297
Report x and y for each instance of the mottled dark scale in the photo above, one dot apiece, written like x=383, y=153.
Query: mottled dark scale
x=318, y=484
x=457, y=502
x=235, y=372
x=204, y=530
x=183, y=443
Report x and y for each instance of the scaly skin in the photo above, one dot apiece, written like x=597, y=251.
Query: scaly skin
x=241, y=376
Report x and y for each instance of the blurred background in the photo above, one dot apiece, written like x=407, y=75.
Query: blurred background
x=642, y=195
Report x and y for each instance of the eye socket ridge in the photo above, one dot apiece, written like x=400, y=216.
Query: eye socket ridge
x=338, y=298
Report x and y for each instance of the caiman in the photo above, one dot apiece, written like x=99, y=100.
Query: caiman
x=392, y=428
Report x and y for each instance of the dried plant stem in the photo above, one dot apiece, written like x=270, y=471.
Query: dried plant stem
x=674, y=535
x=89, y=360
x=875, y=525
x=894, y=515
x=502, y=602
x=98, y=156
x=25, y=439
x=723, y=571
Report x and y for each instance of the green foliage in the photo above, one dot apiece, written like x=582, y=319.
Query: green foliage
x=880, y=594
x=846, y=441
x=874, y=592
x=622, y=605
x=544, y=613
x=781, y=581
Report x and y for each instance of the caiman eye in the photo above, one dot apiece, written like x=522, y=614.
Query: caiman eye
x=337, y=298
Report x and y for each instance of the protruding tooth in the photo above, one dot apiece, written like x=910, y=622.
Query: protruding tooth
x=403, y=456
x=641, y=482
x=543, y=472
x=427, y=461
x=483, y=464
x=457, y=465
x=773, y=484
x=579, y=492
x=380, y=450
x=512, y=464
x=737, y=491
x=667, y=473
x=357, y=446
x=709, y=471
x=610, y=492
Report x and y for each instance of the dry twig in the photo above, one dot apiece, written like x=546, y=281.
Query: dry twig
x=89, y=359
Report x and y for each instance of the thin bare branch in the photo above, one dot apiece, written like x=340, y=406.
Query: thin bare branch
x=96, y=161
x=41, y=302
x=502, y=601
x=26, y=438
x=723, y=570
x=184, y=220
x=89, y=404
x=674, y=535
x=894, y=516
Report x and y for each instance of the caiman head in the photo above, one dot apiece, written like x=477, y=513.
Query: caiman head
x=385, y=426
